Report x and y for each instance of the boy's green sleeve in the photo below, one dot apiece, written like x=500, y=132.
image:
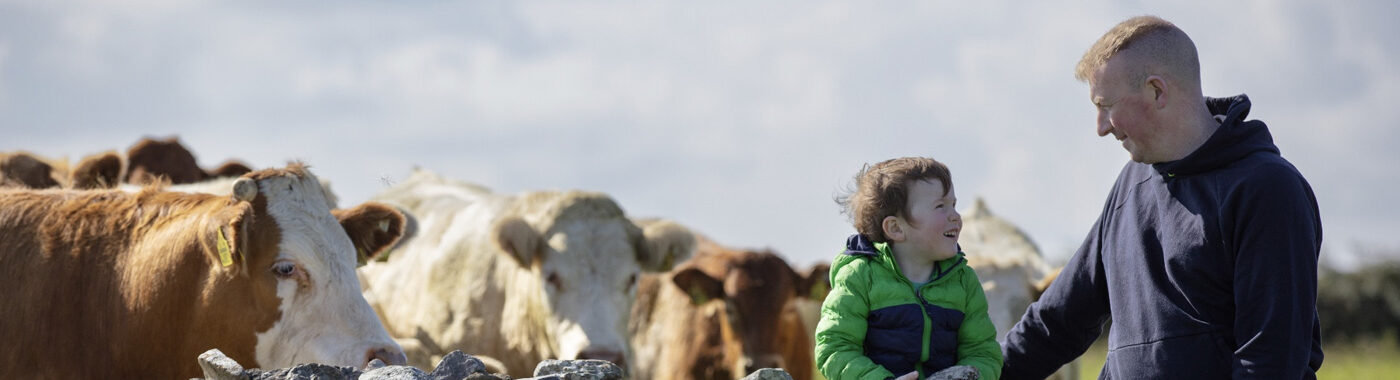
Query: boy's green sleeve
x=841, y=332
x=977, y=338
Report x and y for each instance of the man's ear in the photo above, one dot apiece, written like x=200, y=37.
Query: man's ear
x=893, y=231
x=520, y=240
x=664, y=243
x=699, y=285
x=372, y=227
x=1157, y=86
x=816, y=283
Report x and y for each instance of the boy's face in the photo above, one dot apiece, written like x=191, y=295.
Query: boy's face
x=931, y=228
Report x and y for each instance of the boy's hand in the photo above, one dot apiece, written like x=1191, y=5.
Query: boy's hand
x=957, y=372
x=909, y=376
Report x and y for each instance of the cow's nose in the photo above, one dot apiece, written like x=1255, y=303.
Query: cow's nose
x=761, y=362
x=389, y=355
x=604, y=354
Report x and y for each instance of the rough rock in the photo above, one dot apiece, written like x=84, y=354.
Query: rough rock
x=769, y=374
x=454, y=366
x=217, y=366
x=397, y=372
x=579, y=370
x=457, y=365
x=957, y=372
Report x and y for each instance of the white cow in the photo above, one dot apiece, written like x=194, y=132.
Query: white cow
x=1011, y=268
x=519, y=278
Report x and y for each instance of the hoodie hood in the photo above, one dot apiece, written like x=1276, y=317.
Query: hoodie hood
x=1235, y=139
x=860, y=245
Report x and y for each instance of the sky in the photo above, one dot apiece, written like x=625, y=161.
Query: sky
x=742, y=121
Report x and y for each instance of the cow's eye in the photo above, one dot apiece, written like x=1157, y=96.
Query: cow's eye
x=632, y=281
x=284, y=269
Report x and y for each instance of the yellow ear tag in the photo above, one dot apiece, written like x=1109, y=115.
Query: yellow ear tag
x=224, y=256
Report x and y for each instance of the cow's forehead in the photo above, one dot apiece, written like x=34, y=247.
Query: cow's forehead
x=298, y=204
x=593, y=243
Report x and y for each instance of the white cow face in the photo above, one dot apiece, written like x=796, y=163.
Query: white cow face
x=588, y=269
x=311, y=268
x=1009, y=292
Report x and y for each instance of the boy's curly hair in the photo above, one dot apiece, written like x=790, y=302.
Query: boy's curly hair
x=882, y=190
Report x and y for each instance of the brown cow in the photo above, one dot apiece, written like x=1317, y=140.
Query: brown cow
x=110, y=284
x=149, y=159
x=25, y=170
x=722, y=315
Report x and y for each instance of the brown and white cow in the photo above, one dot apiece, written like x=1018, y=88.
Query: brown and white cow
x=111, y=284
x=722, y=315
x=1011, y=268
x=519, y=278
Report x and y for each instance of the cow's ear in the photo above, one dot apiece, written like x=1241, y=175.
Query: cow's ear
x=665, y=243
x=699, y=285
x=520, y=240
x=373, y=228
x=98, y=171
x=816, y=283
x=230, y=236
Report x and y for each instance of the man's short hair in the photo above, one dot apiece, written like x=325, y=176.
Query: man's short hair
x=882, y=190
x=1159, y=46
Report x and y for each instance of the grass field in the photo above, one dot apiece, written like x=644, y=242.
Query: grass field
x=1363, y=360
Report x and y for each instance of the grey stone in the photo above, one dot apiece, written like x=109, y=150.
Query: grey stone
x=769, y=374
x=375, y=364
x=957, y=372
x=456, y=366
x=580, y=369
x=309, y=372
x=396, y=372
x=217, y=366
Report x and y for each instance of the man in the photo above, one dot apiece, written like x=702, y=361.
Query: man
x=1205, y=254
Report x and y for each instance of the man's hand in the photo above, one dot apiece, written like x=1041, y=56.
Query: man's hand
x=957, y=372
x=909, y=376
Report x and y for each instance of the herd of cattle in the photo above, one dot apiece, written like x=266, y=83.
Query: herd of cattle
x=131, y=265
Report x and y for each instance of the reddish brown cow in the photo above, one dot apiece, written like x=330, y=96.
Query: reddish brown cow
x=24, y=170
x=110, y=284
x=722, y=315
x=149, y=159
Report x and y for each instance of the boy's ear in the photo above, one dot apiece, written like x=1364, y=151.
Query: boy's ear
x=372, y=227
x=893, y=232
x=699, y=285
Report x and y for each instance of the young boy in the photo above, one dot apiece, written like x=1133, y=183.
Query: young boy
x=903, y=300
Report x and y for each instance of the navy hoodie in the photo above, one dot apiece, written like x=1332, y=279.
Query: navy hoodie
x=1206, y=265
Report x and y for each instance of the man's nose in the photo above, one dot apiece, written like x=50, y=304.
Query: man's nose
x=1104, y=127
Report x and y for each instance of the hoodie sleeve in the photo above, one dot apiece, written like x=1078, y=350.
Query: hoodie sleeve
x=841, y=331
x=1277, y=236
x=1067, y=319
x=977, y=336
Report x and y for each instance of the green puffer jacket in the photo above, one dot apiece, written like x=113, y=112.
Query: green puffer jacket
x=874, y=326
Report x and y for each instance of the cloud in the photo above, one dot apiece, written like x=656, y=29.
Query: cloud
x=740, y=120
